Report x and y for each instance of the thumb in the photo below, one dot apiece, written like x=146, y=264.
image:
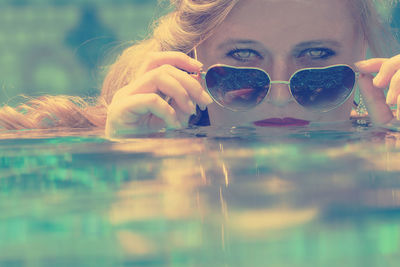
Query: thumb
x=374, y=99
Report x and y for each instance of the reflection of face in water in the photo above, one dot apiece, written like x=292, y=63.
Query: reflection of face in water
x=187, y=205
x=208, y=198
x=281, y=37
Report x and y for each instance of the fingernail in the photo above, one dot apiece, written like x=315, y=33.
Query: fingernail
x=192, y=107
x=205, y=98
x=202, y=107
x=359, y=64
x=377, y=80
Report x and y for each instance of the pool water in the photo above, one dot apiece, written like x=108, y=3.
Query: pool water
x=312, y=196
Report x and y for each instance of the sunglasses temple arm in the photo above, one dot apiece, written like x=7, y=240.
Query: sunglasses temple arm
x=195, y=53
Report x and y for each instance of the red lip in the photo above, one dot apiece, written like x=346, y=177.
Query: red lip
x=279, y=122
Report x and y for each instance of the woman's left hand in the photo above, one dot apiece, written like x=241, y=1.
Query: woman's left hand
x=372, y=88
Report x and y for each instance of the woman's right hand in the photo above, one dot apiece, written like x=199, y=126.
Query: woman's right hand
x=139, y=106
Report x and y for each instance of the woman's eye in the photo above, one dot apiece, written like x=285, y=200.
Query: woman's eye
x=244, y=54
x=317, y=53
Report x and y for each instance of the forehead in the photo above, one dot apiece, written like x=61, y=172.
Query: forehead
x=294, y=21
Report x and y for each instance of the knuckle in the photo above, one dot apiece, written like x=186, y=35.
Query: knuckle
x=120, y=94
x=396, y=78
x=153, y=99
x=151, y=60
x=161, y=77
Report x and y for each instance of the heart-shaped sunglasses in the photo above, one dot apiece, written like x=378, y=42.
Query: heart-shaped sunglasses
x=243, y=88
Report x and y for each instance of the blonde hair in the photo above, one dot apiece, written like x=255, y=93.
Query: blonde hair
x=190, y=22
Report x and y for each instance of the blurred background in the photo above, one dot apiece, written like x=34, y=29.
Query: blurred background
x=63, y=46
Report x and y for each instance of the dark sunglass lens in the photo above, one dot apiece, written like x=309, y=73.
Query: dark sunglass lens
x=323, y=89
x=236, y=88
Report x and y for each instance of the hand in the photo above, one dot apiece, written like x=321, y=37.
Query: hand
x=372, y=89
x=140, y=107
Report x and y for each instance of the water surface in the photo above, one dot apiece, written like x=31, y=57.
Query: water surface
x=324, y=195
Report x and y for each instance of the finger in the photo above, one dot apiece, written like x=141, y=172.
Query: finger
x=177, y=59
x=160, y=80
x=394, y=89
x=182, y=116
x=369, y=66
x=386, y=72
x=374, y=100
x=131, y=108
x=192, y=86
x=398, y=108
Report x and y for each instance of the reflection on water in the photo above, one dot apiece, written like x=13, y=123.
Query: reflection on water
x=318, y=195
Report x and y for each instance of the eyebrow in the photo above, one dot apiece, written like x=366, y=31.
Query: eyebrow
x=324, y=42
x=237, y=41
x=297, y=47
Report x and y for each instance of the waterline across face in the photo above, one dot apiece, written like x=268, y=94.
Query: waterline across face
x=281, y=37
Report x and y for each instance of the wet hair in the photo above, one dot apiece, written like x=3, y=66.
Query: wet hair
x=189, y=23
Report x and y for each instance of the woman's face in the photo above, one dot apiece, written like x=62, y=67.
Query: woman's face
x=280, y=37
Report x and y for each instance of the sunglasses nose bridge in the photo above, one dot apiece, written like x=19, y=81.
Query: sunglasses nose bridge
x=279, y=96
x=280, y=82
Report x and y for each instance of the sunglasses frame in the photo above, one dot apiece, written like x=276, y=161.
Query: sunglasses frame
x=203, y=74
x=356, y=75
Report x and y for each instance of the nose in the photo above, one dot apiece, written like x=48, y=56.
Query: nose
x=279, y=92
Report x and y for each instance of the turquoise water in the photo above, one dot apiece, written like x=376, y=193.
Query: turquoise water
x=313, y=196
